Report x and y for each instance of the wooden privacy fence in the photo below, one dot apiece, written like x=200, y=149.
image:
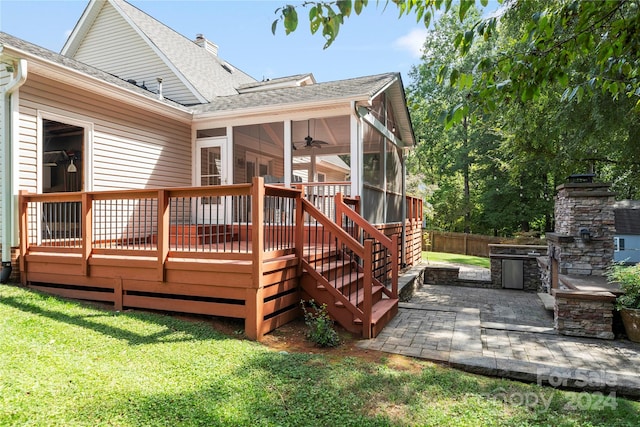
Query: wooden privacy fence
x=461, y=243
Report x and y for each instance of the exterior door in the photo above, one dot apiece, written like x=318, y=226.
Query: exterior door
x=210, y=167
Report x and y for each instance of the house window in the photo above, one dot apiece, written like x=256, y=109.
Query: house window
x=256, y=166
x=211, y=133
x=62, y=157
x=322, y=177
x=618, y=243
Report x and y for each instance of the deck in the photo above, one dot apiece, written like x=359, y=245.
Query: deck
x=192, y=250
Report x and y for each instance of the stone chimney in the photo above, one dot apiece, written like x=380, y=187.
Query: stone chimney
x=582, y=244
x=206, y=44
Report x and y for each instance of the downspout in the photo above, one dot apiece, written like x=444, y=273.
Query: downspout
x=19, y=70
x=403, y=257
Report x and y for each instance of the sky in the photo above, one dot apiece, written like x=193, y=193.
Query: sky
x=375, y=42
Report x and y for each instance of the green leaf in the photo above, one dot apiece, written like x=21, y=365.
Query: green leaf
x=464, y=7
x=573, y=93
x=427, y=18
x=453, y=78
x=480, y=28
x=274, y=26
x=468, y=37
x=314, y=25
x=563, y=78
x=358, y=5
x=290, y=19
x=527, y=94
x=345, y=7
x=457, y=40
x=442, y=72
x=456, y=115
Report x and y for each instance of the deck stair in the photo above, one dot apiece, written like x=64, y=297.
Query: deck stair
x=345, y=275
x=340, y=285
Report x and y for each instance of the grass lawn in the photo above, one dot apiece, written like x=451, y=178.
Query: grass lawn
x=456, y=258
x=65, y=363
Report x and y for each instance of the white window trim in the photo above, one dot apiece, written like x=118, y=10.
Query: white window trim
x=87, y=144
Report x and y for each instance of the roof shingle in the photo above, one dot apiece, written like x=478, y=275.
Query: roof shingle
x=208, y=73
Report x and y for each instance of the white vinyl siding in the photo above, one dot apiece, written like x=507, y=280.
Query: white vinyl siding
x=113, y=46
x=627, y=248
x=131, y=148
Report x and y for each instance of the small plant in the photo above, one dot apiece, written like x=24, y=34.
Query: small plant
x=320, y=325
x=629, y=279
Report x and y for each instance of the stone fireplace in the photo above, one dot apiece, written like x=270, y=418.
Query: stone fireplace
x=582, y=244
x=578, y=254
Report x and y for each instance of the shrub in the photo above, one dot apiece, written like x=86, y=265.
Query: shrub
x=629, y=279
x=320, y=325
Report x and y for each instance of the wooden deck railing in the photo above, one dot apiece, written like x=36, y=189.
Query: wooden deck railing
x=321, y=194
x=184, y=220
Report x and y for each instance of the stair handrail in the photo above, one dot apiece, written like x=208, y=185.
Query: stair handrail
x=343, y=236
x=390, y=243
x=360, y=250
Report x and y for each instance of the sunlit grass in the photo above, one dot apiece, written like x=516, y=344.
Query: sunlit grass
x=64, y=363
x=456, y=258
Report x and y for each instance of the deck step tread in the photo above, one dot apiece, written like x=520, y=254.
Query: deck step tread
x=379, y=309
x=358, y=296
x=346, y=279
x=333, y=265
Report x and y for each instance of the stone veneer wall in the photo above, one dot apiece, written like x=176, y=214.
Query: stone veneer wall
x=527, y=253
x=583, y=205
x=450, y=276
x=584, y=314
x=545, y=274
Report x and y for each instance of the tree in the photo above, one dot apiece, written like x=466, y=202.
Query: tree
x=559, y=35
x=448, y=157
x=556, y=93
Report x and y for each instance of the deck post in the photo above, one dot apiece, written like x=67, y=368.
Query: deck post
x=117, y=293
x=254, y=302
x=299, y=230
x=394, y=265
x=367, y=304
x=87, y=226
x=163, y=232
x=338, y=202
x=24, y=235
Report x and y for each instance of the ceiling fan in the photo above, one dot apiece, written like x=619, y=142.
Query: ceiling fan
x=309, y=142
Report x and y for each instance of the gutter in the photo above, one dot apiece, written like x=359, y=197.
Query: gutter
x=19, y=69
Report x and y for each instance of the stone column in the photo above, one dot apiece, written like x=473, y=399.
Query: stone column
x=582, y=207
